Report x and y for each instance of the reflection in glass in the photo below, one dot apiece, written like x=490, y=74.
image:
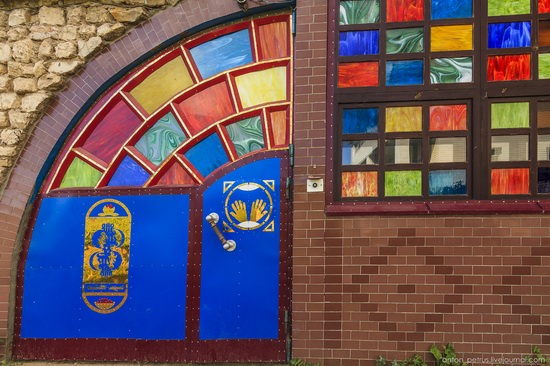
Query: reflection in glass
x=447, y=182
x=360, y=120
x=363, y=152
x=510, y=148
x=543, y=114
x=543, y=148
x=543, y=180
x=448, y=150
x=403, y=151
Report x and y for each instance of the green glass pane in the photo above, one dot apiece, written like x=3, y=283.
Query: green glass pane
x=544, y=66
x=509, y=7
x=403, y=183
x=510, y=115
x=80, y=174
x=246, y=135
x=161, y=139
x=359, y=11
x=451, y=70
x=407, y=40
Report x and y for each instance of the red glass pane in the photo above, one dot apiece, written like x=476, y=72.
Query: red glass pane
x=206, y=107
x=448, y=117
x=405, y=10
x=509, y=67
x=273, y=40
x=510, y=181
x=175, y=175
x=112, y=132
x=544, y=6
x=358, y=74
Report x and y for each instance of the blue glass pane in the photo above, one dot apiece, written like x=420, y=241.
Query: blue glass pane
x=508, y=35
x=450, y=9
x=447, y=182
x=359, y=43
x=361, y=120
x=207, y=155
x=129, y=173
x=404, y=72
x=223, y=53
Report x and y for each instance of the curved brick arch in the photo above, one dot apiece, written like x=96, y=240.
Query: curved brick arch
x=17, y=198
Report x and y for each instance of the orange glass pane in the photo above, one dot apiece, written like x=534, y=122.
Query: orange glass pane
x=359, y=184
x=510, y=181
x=509, y=67
x=357, y=74
x=544, y=6
x=448, y=117
x=274, y=40
x=403, y=119
x=202, y=109
x=175, y=175
x=404, y=10
x=279, y=127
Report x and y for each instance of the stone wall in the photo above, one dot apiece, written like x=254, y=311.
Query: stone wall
x=42, y=44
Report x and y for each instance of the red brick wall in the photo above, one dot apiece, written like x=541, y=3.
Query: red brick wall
x=390, y=285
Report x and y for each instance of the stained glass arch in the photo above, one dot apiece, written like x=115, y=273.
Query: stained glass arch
x=203, y=103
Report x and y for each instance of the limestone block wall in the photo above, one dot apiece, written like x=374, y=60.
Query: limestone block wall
x=42, y=44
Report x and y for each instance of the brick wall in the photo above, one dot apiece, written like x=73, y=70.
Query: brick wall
x=390, y=285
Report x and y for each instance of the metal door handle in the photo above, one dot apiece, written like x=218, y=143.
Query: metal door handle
x=213, y=219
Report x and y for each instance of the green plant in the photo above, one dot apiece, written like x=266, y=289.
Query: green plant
x=300, y=362
x=446, y=356
x=415, y=360
x=537, y=358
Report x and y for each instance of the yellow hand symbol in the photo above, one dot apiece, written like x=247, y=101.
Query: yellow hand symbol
x=258, y=210
x=239, y=211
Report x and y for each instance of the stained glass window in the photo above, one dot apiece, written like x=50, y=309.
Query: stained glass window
x=441, y=98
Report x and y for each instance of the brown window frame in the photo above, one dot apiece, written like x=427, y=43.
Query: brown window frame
x=479, y=93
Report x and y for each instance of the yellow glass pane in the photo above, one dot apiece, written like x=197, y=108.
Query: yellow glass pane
x=157, y=88
x=451, y=38
x=403, y=119
x=265, y=86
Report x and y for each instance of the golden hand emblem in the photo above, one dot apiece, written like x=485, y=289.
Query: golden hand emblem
x=258, y=210
x=239, y=211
